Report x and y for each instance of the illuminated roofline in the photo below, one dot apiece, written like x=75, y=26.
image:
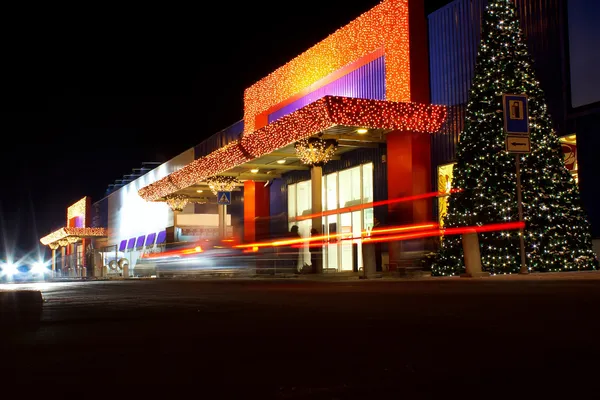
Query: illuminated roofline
x=303, y=123
x=385, y=26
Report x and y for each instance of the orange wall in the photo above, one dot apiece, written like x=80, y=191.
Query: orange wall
x=256, y=210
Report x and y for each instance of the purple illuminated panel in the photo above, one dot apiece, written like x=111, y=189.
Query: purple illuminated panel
x=140, y=241
x=162, y=236
x=79, y=221
x=150, y=239
x=366, y=82
x=130, y=243
x=122, y=245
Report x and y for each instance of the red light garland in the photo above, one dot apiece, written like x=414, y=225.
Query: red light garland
x=303, y=123
x=384, y=27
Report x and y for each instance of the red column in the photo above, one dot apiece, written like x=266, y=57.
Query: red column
x=256, y=209
x=409, y=174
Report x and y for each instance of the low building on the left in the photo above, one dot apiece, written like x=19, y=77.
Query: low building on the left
x=71, y=244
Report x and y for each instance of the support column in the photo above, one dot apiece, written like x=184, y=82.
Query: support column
x=316, y=190
x=316, y=176
x=63, y=253
x=175, y=230
x=53, y=262
x=409, y=174
x=222, y=221
x=84, y=264
x=256, y=211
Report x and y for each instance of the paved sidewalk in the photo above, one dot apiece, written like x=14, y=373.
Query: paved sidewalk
x=425, y=276
x=385, y=276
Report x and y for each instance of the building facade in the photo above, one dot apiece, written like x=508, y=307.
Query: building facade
x=339, y=137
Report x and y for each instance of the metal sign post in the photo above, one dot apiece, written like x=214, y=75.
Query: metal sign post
x=223, y=200
x=524, y=269
x=516, y=127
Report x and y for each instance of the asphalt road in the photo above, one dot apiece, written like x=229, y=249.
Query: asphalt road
x=320, y=340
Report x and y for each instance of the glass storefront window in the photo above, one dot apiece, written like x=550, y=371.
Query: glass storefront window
x=332, y=247
x=569, y=149
x=367, y=186
x=350, y=187
x=369, y=217
x=346, y=241
x=292, y=201
x=444, y=186
x=340, y=189
x=303, y=199
x=331, y=184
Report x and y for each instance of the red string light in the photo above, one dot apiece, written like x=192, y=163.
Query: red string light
x=303, y=123
x=385, y=27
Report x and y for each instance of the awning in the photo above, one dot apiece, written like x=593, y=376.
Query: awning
x=323, y=114
x=162, y=237
x=140, y=241
x=150, y=239
x=67, y=232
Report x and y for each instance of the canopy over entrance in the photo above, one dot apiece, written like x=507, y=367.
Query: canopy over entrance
x=255, y=155
x=67, y=235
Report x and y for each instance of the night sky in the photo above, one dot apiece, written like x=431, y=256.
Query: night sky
x=89, y=93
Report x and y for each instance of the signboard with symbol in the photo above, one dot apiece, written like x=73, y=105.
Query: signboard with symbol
x=224, y=198
x=516, y=114
x=518, y=144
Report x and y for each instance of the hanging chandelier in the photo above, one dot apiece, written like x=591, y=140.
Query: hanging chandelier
x=220, y=183
x=63, y=242
x=177, y=202
x=53, y=245
x=315, y=151
x=72, y=239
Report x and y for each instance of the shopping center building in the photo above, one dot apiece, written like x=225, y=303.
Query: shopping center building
x=331, y=140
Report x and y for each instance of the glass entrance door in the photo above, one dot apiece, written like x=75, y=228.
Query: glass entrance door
x=341, y=190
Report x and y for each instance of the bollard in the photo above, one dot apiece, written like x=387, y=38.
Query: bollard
x=472, y=256
x=126, y=271
x=369, y=259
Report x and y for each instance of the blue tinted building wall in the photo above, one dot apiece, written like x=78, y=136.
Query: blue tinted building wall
x=219, y=139
x=454, y=37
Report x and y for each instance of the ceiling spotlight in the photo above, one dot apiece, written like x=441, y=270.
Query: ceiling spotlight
x=199, y=191
x=282, y=161
x=254, y=171
x=362, y=131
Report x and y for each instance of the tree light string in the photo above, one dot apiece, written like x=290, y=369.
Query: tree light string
x=315, y=151
x=557, y=233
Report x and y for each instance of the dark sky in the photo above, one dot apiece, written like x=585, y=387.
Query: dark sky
x=90, y=93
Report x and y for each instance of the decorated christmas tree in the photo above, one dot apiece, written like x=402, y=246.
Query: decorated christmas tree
x=557, y=234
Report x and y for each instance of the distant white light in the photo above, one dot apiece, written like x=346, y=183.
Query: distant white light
x=39, y=267
x=9, y=269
